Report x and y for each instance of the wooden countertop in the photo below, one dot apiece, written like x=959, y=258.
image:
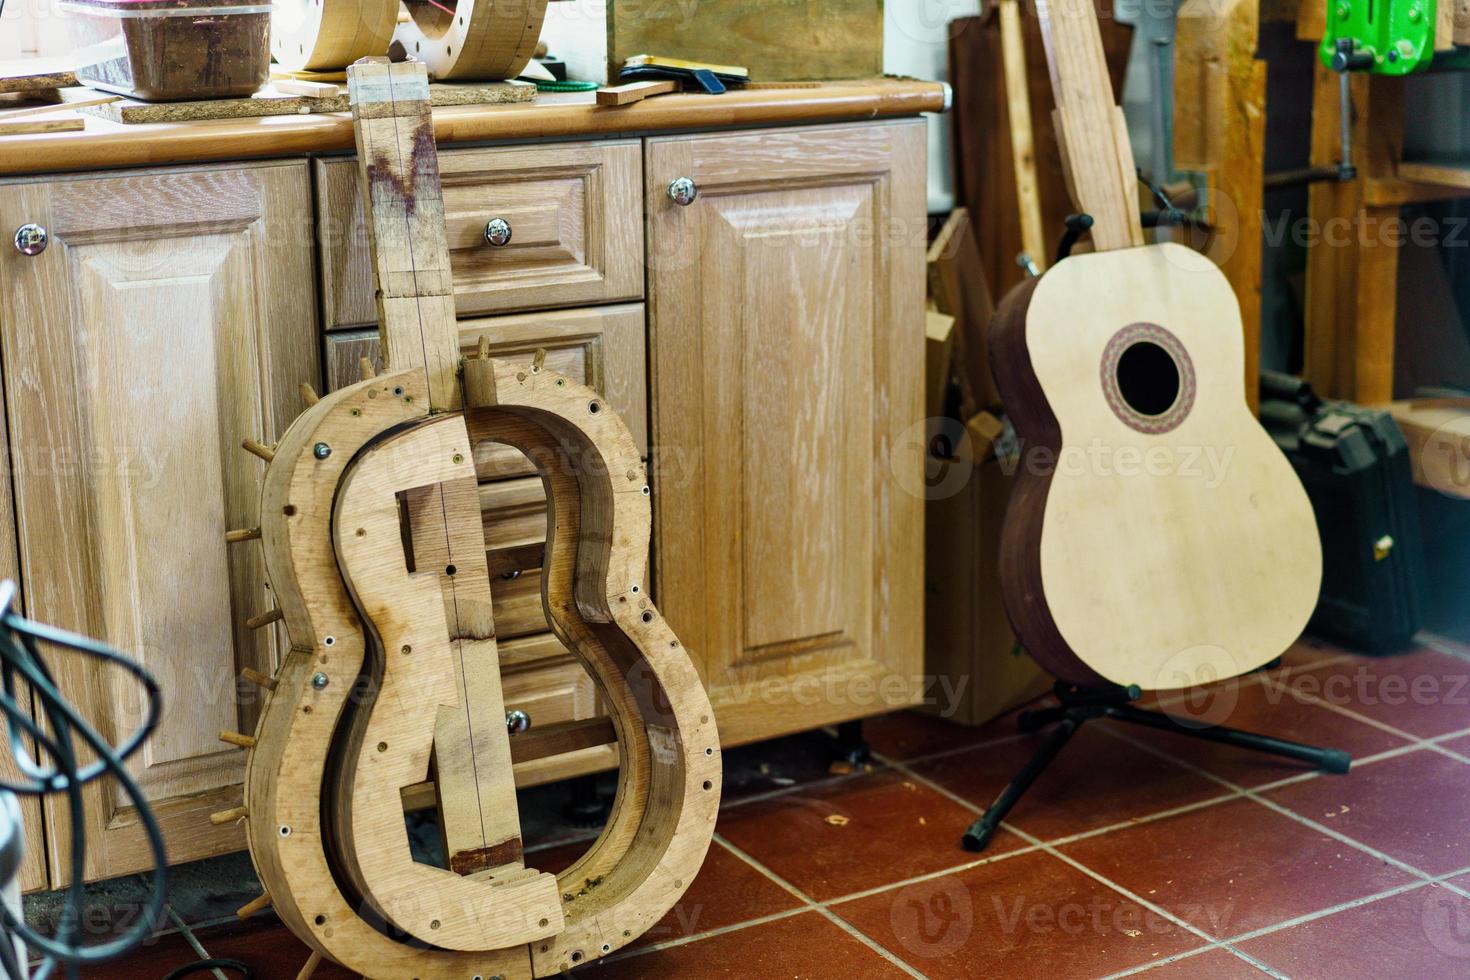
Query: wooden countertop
x=105, y=144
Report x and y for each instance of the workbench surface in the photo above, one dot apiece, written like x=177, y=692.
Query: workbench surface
x=108, y=144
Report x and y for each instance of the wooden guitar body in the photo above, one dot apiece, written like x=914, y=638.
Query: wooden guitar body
x=373, y=542
x=1156, y=535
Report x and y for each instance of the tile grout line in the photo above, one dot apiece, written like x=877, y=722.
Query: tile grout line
x=812, y=905
x=1066, y=859
x=1278, y=808
x=1441, y=644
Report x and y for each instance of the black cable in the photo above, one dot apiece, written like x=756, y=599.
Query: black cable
x=20, y=657
x=189, y=969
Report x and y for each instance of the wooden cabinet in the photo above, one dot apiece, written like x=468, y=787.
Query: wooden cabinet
x=786, y=312
x=171, y=316
x=764, y=344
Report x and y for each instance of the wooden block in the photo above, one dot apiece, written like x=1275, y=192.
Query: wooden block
x=21, y=127
x=310, y=89
x=938, y=351
x=632, y=92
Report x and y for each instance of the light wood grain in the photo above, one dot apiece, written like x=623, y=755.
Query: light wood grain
x=276, y=100
x=1090, y=127
x=548, y=117
x=1203, y=565
x=575, y=215
x=1438, y=433
x=1220, y=130
x=788, y=348
x=630, y=92
x=473, y=40
x=1023, y=153
x=330, y=34
x=169, y=319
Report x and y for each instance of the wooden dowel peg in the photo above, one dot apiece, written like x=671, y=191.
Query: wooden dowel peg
x=309, y=395
x=312, y=962
x=254, y=905
x=365, y=368
x=235, y=738
x=264, y=619
x=258, y=449
x=539, y=361
x=246, y=534
x=228, y=816
x=484, y=346
x=257, y=678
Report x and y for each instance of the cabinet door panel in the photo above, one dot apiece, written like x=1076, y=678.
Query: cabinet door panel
x=170, y=318
x=786, y=309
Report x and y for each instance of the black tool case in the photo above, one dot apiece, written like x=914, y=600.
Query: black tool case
x=1355, y=466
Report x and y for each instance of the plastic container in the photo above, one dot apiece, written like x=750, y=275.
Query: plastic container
x=168, y=50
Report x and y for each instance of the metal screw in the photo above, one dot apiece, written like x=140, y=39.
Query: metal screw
x=318, y=681
x=31, y=239
x=321, y=450
x=517, y=721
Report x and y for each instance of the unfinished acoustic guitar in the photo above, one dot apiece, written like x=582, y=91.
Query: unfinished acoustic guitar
x=1156, y=536
x=372, y=537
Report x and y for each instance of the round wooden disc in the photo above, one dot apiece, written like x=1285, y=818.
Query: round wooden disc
x=472, y=40
x=329, y=35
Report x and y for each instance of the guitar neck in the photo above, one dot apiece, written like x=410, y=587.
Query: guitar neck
x=1091, y=131
x=405, y=219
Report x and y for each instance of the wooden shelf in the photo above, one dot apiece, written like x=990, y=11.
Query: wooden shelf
x=106, y=143
x=1446, y=173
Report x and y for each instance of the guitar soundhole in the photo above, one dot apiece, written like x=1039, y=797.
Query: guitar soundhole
x=1148, y=378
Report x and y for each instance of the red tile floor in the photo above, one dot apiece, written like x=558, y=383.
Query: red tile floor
x=1138, y=852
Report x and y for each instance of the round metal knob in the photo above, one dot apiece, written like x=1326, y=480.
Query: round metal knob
x=31, y=239
x=497, y=232
x=517, y=721
x=683, y=191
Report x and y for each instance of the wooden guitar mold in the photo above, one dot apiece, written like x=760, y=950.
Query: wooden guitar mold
x=373, y=542
x=1156, y=535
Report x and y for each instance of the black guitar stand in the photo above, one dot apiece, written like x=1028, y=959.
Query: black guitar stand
x=1079, y=704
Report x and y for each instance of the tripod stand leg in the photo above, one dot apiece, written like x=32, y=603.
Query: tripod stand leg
x=984, y=828
x=1331, y=760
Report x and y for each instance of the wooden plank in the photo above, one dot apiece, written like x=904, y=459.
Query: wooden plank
x=58, y=107
x=1220, y=130
x=792, y=40
x=627, y=94
x=1023, y=153
x=277, y=100
x=984, y=162
x=1097, y=158
x=958, y=287
x=24, y=127
x=1453, y=176
x=1438, y=433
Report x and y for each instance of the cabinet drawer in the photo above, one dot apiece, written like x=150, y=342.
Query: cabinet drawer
x=551, y=695
x=602, y=347
x=575, y=213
